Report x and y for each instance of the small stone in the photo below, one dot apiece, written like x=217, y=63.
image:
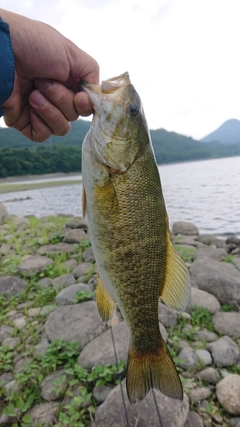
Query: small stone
x=224, y=351
x=206, y=336
x=64, y=280
x=11, y=285
x=21, y=364
x=188, y=358
x=41, y=347
x=34, y=265
x=204, y=357
x=228, y=394
x=46, y=282
x=227, y=324
x=75, y=236
x=203, y=299
x=20, y=323
x=57, y=249
x=194, y=420
x=45, y=413
x=209, y=375
x=46, y=309
x=76, y=223
x=199, y=394
x=166, y=316
x=34, y=312
x=5, y=378
x=82, y=269
x=67, y=296
x=88, y=255
x=11, y=343
x=185, y=228
x=70, y=264
x=5, y=332
x=100, y=392
x=54, y=386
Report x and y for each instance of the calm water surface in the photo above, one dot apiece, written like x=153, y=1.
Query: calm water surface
x=206, y=193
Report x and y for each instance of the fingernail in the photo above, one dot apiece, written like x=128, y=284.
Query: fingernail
x=43, y=84
x=37, y=99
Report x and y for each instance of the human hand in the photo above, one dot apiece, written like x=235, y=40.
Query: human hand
x=48, y=68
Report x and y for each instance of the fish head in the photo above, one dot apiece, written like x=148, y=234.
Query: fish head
x=119, y=131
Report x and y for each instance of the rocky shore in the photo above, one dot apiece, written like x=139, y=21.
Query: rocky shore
x=57, y=362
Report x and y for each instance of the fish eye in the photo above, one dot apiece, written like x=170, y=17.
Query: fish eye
x=133, y=110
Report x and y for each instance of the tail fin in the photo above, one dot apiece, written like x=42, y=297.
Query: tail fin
x=146, y=370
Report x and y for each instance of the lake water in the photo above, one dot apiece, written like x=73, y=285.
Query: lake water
x=206, y=193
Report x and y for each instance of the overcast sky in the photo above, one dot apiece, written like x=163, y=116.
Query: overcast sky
x=182, y=55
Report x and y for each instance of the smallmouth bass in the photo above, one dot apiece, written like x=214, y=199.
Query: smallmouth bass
x=131, y=241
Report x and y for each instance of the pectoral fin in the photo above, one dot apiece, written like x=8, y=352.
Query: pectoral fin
x=176, y=290
x=105, y=303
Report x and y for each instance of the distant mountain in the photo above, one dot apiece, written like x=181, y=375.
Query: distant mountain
x=168, y=146
x=227, y=133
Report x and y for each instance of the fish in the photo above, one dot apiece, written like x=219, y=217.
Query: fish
x=129, y=229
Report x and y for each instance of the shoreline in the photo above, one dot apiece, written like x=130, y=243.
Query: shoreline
x=21, y=178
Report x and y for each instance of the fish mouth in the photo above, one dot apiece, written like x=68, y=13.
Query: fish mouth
x=110, y=87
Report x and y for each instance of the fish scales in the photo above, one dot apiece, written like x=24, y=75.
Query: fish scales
x=130, y=237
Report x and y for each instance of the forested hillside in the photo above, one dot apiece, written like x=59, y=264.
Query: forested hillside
x=19, y=156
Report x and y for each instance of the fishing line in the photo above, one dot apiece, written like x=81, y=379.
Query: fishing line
x=121, y=387
x=157, y=408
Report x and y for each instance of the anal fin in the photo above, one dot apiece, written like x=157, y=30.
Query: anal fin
x=105, y=303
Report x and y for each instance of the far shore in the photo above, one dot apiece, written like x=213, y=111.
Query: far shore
x=18, y=183
x=37, y=177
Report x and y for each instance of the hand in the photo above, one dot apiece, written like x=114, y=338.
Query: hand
x=48, y=68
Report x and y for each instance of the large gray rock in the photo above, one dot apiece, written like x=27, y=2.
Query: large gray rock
x=100, y=351
x=227, y=324
x=203, y=299
x=185, y=228
x=80, y=323
x=67, y=296
x=228, y=394
x=59, y=248
x=224, y=351
x=3, y=213
x=144, y=414
x=45, y=413
x=34, y=264
x=64, y=280
x=218, y=278
x=211, y=253
x=10, y=285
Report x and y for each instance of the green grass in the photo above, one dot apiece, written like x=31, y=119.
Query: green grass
x=185, y=253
